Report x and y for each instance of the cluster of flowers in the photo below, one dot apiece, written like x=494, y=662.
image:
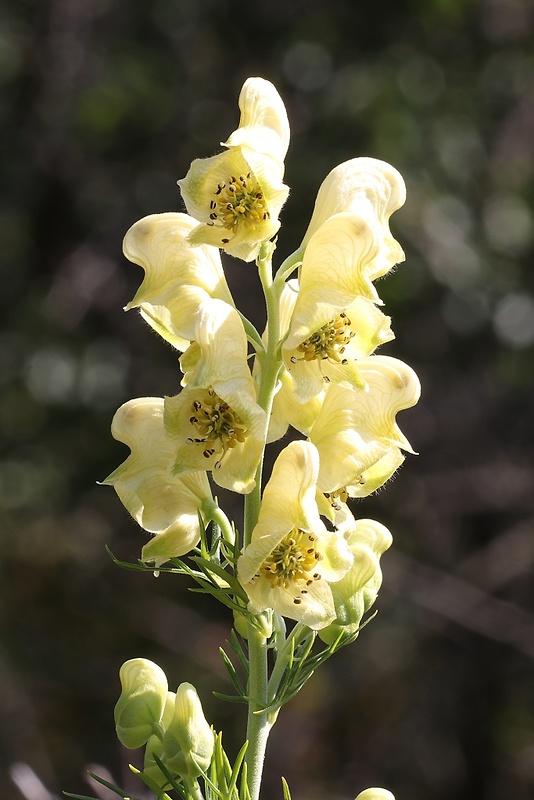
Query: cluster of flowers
x=308, y=558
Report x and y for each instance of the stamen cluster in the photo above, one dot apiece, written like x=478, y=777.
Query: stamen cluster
x=219, y=427
x=293, y=560
x=239, y=201
x=329, y=342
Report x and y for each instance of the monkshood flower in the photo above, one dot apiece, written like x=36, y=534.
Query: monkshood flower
x=237, y=195
x=189, y=740
x=360, y=185
x=215, y=423
x=333, y=323
x=162, y=503
x=356, y=432
x=139, y=709
x=292, y=557
x=178, y=277
x=356, y=592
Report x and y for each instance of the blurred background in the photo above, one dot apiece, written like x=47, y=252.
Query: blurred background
x=103, y=105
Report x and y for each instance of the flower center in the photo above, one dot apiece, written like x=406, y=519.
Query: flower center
x=328, y=342
x=238, y=201
x=218, y=426
x=293, y=560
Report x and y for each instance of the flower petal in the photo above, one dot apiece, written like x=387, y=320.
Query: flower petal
x=237, y=197
x=356, y=429
x=353, y=185
x=177, y=276
x=334, y=273
x=357, y=590
x=232, y=457
x=263, y=126
x=220, y=345
x=161, y=503
x=292, y=557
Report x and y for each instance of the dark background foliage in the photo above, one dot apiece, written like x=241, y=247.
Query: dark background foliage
x=104, y=103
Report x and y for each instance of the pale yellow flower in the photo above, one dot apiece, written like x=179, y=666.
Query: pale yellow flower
x=237, y=195
x=331, y=350
x=218, y=430
x=292, y=557
x=162, y=503
x=189, y=740
x=335, y=320
x=356, y=432
x=363, y=185
x=177, y=276
x=139, y=708
x=356, y=592
x=216, y=423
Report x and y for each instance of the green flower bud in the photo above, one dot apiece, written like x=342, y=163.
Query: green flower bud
x=140, y=707
x=188, y=741
x=264, y=622
x=375, y=794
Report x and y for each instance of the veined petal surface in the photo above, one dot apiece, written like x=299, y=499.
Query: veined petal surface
x=292, y=557
x=237, y=195
x=160, y=502
x=334, y=273
x=264, y=125
x=354, y=185
x=356, y=429
x=177, y=276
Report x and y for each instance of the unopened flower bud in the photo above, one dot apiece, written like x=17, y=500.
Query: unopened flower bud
x=264, y=623
x=140, y=707
x=189, y=740
x=375, y=794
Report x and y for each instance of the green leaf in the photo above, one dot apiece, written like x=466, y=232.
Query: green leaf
x=232, y=672
x=171, y=779
x=231, y=698
x=238, y=763
x=285, y=790
x=235, y=644
x=111, y=786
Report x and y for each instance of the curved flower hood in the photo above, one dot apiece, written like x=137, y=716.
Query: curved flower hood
x=237, y=195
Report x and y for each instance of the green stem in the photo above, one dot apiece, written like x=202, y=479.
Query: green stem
x=271, y=363
x=194, y=791
x=259, y=722
x=214, y=513
x=252, y=334
x=289, y=265
x=283, y=657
